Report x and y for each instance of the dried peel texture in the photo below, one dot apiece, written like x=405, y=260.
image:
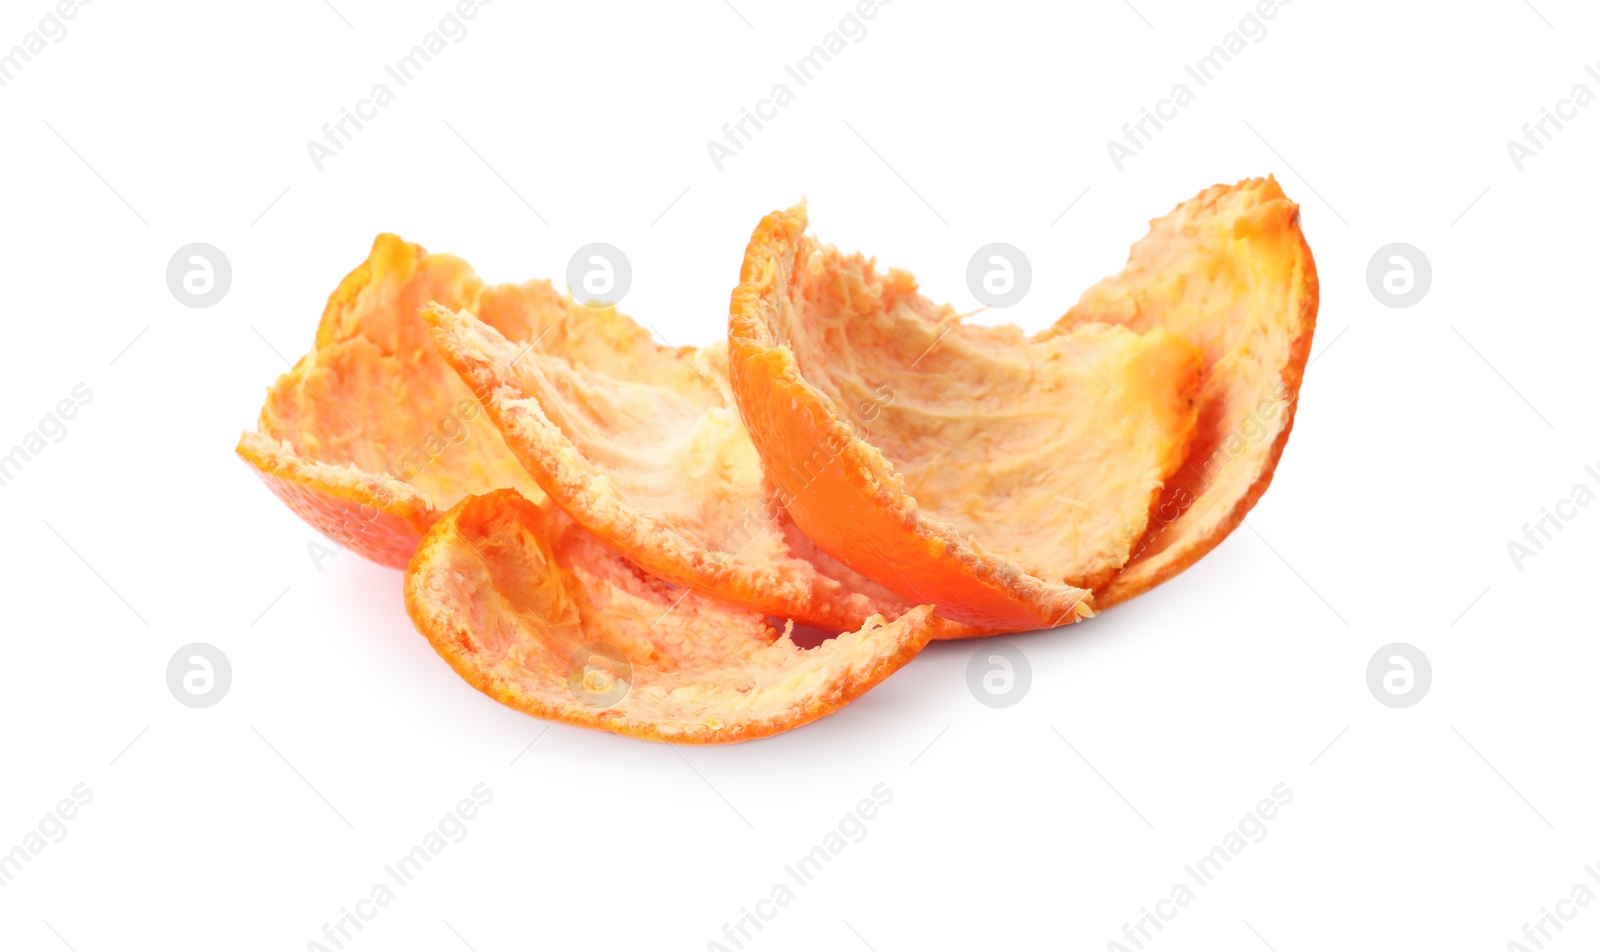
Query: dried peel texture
x=651, y=457
x=1230, y=271
x=541, y=615
x=371, y=435
x=998, y=477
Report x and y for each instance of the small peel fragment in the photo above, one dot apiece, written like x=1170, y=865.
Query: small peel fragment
x=650, y=457
x=1229, y=270
x=538, y=613
x=998, y=477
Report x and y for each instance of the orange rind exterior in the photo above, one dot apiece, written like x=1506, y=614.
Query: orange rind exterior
x=538, y=613
x=651, y=457
x=1230, y=271
x=998, y=477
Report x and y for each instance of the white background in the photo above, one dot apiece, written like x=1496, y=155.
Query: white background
x=1426, y=438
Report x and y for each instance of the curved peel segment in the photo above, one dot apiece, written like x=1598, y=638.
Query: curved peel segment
x=370, y=435
x=536, y=612
x=1229, y=270
x=997, y=477
x=648, y=455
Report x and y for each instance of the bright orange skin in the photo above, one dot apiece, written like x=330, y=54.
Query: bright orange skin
x=838, y=493
x=865, y=534
x=385, y=537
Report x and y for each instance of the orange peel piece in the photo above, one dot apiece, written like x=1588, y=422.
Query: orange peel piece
x=998, y=477
x=538, y=613
x=1229, y=270
x=371, y=435
x=653, y=459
